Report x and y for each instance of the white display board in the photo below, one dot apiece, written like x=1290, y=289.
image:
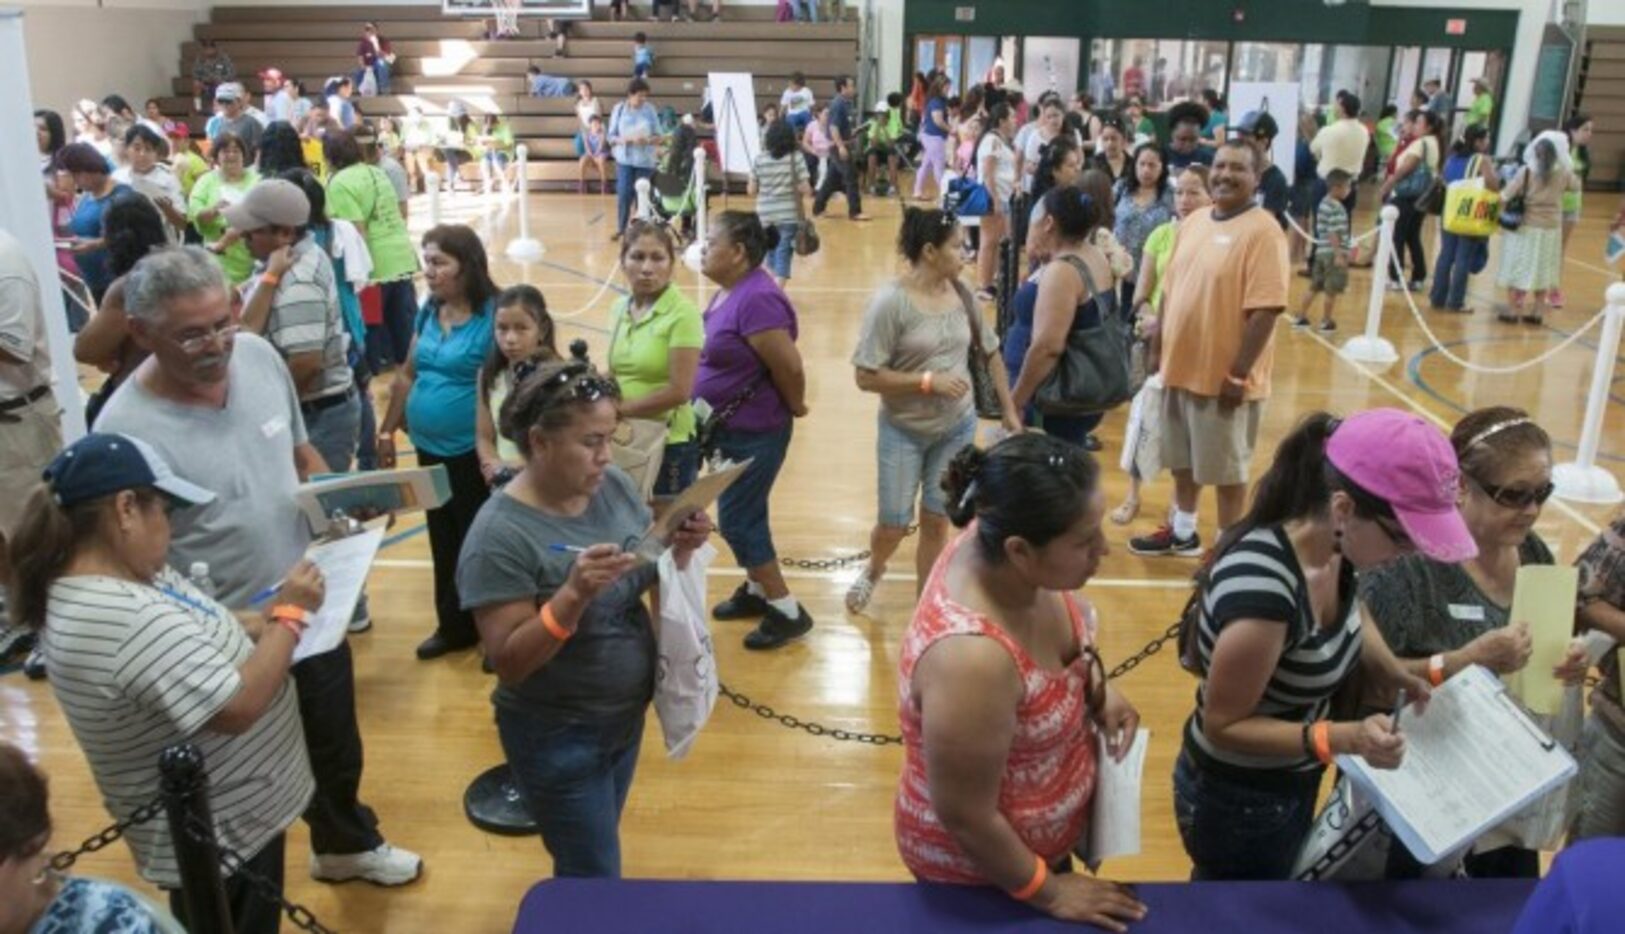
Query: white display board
x=1049, y=64
x=567, y=9
x=733, y=106
x=1281, y=100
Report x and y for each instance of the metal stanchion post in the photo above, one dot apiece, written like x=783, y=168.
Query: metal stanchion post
x=526, y=249
x=185, y=787
x=691, y=256
x=645, y=208
x=1371, y=347
x=1581, y=480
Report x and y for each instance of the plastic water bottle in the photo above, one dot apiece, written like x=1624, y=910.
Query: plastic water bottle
x=198, y=574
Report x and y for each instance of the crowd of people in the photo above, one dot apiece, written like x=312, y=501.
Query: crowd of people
x=251, y=303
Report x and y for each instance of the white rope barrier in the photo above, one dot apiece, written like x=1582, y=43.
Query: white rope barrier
x=1582, y=480
x=1306, y=235
x=603, y=287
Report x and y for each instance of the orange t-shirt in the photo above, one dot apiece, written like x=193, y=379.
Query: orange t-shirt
x=1220, y=271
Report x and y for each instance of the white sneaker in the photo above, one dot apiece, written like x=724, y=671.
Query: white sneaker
x=386, y=865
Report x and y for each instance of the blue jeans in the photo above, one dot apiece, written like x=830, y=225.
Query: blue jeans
x=742, y=510
x=400, y=308
x=366, y=455
x=380, y=72
x=679, y=467
x=626, y=191
x=1457, y=257
x=912, y=465
x=783, y=254
x=810, y=7
x=335, y=430
x=798, y=121
x=574, y=778
x=1238, y=828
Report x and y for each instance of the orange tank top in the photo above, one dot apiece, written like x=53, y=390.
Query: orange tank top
x=1049, y=775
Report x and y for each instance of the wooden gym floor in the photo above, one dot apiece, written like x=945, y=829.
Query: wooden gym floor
x=755, y=800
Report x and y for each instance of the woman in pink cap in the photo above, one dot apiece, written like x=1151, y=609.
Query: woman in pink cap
x=1275, y=629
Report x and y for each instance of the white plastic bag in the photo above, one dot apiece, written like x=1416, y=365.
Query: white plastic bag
x=369, y=83
x=686, y=673
x=1349, y=842
x=1142, y=438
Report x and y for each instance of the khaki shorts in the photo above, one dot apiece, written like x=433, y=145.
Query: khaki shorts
x=26, y=447
x=1325, y=275
x=1214, y=444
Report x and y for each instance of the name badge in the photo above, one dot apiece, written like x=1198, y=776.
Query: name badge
x=1467, y=612
x=1223, y=240
x=277, y=425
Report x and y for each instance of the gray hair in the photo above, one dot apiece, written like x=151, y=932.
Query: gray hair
x=167, y=273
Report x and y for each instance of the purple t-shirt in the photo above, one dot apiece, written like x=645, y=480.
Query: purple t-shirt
x=728, y=364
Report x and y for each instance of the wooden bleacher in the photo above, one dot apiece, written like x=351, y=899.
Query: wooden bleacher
x=443, y=58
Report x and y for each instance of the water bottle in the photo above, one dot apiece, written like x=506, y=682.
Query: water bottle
x=198, y=574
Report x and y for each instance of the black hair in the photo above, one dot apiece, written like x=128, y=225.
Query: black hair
x=144, y=133
x=1388, y=110
x=894, y=100
x=640, y=37
x=1076, y=214
x=55, y=135
x=1470, y=138
x=227, y=140
x=996, y=115
x=540, y=400
x=1338, y=177
x=341, y=150
x=797, y=77
x=1028, y=486
x=1254, y=157
x=1051, y=156
x=920, y=228
x=1213, y=99
x=637, y=86
x=462, y=244
x=315, y=193
x=1265, y=127
x=1097, y=184
x=1131, y=178
x=1186, y=112
x=81, y=157
x=132, y=228
x=280, y=149
x=1571, y=126
x=746, y=229
x=1350, y=102
x=841, y=82
x=1435, y=125
x=534, y=303
x=1481, y=461
x=117, y=104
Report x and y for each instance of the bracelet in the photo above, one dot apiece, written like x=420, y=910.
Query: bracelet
x=551, y=624
x=270, y=280
x=292, y=613
x=1436, y=670
x=1040, y=876
x=293, y=628
x=925, y=383
x=1321, y=733
x=1308, y=746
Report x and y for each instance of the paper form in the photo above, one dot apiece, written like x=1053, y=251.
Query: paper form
x=1543, y=596
x=1114, y=818
x=344, y=565
x=697, y=497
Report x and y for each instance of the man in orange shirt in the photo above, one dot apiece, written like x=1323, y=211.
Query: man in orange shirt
x=1226, y=282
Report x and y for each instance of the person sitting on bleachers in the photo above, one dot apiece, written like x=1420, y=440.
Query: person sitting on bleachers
x=548, y=85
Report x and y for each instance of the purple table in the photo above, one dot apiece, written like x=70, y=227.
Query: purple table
x=602, y=906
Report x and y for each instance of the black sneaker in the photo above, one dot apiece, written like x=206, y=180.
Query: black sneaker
x=1301, y=323
x=440, y=644
x=776, y=629
x=1162, y=542
x=1091, y=443
x=742, y=605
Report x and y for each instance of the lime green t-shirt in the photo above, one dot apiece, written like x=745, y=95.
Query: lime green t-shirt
x=1160, y=248
x=640, y=353
x=212, y=190
x=1478, y=112
x=362, y=194
x=189, y=167
x=1387, y=138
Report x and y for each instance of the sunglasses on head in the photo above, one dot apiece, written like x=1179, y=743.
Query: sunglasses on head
x=584, y=385
x=1518, y=497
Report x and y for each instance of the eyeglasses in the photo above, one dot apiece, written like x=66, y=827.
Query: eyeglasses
x=1518, y=497
x=198, y=342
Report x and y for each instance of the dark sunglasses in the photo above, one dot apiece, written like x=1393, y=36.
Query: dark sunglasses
x=1518, y=497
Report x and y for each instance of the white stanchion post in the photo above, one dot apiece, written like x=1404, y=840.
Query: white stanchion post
x=1371, y=347
x=691, y=256
x=526, y=249
x=1581, y=480
x=431, y=181
x=645, y=208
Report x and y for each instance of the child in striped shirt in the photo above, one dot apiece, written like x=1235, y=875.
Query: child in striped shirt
x=1329, y=272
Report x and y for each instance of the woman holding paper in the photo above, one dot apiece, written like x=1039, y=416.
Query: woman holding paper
x=1003, y=698
x=1275, y=630
x=1440, y=617
x=566, y=614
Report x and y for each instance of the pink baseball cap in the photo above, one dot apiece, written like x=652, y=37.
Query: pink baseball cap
x=1407, y=463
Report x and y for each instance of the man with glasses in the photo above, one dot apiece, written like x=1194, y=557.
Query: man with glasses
x=221, y=407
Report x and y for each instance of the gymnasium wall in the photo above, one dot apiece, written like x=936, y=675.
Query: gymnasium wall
x=77, y=48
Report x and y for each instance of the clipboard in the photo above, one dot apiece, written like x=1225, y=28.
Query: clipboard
x=1472, y=760
x=697, y=497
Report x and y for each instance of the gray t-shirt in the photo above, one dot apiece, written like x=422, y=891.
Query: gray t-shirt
x=253, y=532
x=1424, y=607
x=607, y=669
x=397, y=177
x=244, y=127
x=897, y=335
x=305, y=317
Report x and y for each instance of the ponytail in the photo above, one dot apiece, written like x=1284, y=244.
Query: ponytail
x=43, y=545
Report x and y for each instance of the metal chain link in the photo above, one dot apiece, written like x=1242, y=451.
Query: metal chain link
x=64, y=860
x=833, y=564
x=234, y=865
x=743, y=702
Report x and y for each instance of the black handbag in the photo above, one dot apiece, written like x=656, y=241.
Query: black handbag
x=1512, y=208
x=1092, y=375
x=985, y=394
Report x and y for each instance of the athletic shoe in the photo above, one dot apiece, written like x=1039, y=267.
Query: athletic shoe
x=1300, y=323
x=1091, y=443
x=860, y=593
x=776, y=629
x=385, y=865
x=742, y=605
x=34, y=667
x=1327, y=327
x=1554, y=298
x=1163, y=543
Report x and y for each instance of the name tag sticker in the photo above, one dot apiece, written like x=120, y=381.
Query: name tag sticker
x=1223, y=240
x=1468, y=612
x=276, y=426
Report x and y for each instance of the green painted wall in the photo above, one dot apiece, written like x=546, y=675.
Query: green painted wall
x=1265, y=21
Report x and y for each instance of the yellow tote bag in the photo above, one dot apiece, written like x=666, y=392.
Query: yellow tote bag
x=1470, y=209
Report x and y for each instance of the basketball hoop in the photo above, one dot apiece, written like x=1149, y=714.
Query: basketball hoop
x=506, y=15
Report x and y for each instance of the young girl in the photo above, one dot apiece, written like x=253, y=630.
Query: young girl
x=524, y=334
x=592, y=147
x=495, y=142
x=816, y=144
x=1190, y=194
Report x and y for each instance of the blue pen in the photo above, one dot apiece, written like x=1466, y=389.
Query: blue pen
x=567, y=549
x=266, y=594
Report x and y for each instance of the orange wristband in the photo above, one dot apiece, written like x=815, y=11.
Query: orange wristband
x=292, y=613
x=1040, y=876
x=270, y=280
x=1436, y=670
x=293, y=628
x=1321, y=735
x=925, y=383
x=551, y=624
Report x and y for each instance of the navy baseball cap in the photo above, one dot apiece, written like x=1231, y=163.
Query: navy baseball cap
x=101, y=464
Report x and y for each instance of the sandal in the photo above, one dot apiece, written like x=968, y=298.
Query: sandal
x=1125, y=513
x=1533, y=319
x=860, y=593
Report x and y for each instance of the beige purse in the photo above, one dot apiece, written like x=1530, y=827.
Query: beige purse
x=639, y=445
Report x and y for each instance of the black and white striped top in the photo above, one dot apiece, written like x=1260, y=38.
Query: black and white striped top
x=1259, y=578
x=138, y=668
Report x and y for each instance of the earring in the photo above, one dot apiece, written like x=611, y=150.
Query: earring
x=1337, y=540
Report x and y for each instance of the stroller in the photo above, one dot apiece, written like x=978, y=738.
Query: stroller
x=675, y=197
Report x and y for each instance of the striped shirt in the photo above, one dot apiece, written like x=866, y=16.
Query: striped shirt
x=778, y=184
x=305, y=318
x=137, y=668
x=1259, y=578
x=1332, y=220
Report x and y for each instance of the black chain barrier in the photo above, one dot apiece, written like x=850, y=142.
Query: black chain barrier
x=743, y=702
x=833, y=564
x=231, y=862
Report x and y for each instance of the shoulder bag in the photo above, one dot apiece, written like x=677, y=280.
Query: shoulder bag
x=642, y=449
x=1416, y=184
x=1092, y=375
x=1512, y=208
x=983, y=391
x=807, y=242
x=966, y=196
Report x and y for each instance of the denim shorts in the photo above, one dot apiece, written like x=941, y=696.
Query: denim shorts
x=1236, y=829
x=742, y=510
x=912, y=465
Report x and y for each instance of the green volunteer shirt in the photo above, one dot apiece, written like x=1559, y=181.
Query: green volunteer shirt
x=1478, y=112
x=362, y=194
x=640, y=352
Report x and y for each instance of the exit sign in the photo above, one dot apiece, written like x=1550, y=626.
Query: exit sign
x=1455, y=27
x=964, y=14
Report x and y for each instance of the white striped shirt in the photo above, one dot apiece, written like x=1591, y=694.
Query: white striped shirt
x=138, y=668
